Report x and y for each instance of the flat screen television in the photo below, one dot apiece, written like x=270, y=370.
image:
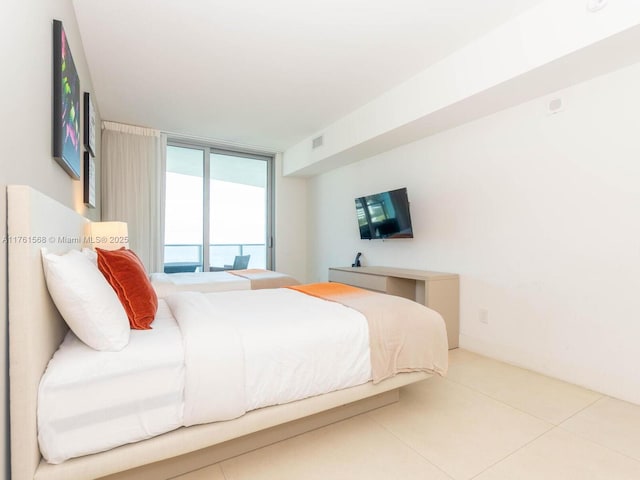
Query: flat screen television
x=384, y=215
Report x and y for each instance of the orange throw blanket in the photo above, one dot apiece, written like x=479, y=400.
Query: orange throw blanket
x=404, y=336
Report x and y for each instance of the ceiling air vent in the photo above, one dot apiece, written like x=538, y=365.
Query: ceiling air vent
x=317, y=142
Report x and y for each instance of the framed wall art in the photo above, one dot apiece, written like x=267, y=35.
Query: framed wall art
x=89, y=181
x=66, y=104
x=89, y=124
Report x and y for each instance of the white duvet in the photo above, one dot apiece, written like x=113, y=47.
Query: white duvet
x=90, y=401
x=209, y=357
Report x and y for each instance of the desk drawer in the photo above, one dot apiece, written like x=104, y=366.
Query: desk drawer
x=370, y=282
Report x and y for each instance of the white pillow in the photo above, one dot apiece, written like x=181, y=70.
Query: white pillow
x=91, y=255
x=86, y=301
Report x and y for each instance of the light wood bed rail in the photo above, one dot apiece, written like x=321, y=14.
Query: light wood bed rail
x=36, y=330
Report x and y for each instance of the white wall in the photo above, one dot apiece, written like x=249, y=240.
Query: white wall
x=551, y=46
x=538, y=213
x=290, y=223
x=26, y=32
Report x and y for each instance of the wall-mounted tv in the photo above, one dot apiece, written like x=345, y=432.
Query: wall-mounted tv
x=384, y=215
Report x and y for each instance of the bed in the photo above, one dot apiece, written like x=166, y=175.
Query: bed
x=36, y=330
x=253, y=279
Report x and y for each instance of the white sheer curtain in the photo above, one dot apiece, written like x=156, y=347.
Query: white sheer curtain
x=132, y=181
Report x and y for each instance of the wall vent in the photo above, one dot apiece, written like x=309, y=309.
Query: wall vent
x=317, y=142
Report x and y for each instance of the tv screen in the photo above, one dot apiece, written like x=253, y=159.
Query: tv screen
x=384, y=215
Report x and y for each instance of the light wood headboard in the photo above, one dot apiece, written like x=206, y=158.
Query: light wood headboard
x=35, y=326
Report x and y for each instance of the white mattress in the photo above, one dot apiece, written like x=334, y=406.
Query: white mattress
x=294, y=346
x=166, y=284
x=90, y=401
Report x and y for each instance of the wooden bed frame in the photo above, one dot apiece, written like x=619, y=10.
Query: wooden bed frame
x=36, y=330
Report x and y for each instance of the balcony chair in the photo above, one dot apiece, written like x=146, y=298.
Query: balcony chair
x=241, y=262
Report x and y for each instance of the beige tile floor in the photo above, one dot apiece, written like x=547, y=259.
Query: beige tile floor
x=487, y=420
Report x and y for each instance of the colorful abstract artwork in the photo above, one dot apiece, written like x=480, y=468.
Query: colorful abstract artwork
x=66, y=104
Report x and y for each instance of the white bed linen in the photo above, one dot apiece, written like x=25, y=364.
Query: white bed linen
x=167, y=283
x=245, y=350
x=90, y=401
x=289, y=345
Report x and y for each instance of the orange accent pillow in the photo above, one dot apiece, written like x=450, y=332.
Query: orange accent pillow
x=125, y=273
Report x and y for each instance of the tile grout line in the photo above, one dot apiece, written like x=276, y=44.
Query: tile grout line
x=502, y=402
x=600, y=445
x=515, y=451
x=602, y=397
x=555, y=426
x=600, y=394
x=409, y=446
x=552, y=426
x=198, y=469
x=586, y=439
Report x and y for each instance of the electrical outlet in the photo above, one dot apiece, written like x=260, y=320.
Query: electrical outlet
x=483, y=316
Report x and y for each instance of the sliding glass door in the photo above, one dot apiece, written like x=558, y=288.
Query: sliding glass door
x=184, y=210
x=237, y=209
x=233, y=211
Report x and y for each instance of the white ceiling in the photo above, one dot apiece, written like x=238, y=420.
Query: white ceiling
x=266, y=73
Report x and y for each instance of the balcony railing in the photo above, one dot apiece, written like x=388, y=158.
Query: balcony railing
x=185, y=257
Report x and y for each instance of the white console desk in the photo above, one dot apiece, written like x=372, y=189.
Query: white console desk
x=438, y=291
